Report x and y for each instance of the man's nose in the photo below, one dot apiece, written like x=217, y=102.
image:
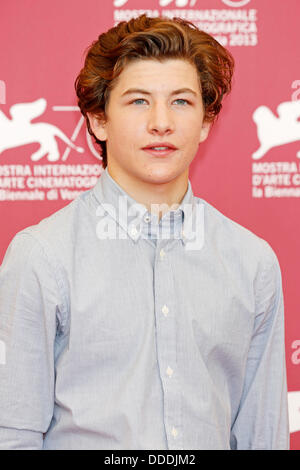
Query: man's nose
x=160, y=118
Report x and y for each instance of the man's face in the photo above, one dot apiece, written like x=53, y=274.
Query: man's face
x=157, y=115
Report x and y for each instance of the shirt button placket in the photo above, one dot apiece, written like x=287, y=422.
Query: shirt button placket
x=166, y=347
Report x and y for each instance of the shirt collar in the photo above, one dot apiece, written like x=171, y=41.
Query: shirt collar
x=134, y=217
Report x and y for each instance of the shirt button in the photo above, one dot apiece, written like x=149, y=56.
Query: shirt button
x=165, y=310
x=162, y=253
x=133, y=231
x=169, y=371
x=147, y=218
x=174, y=432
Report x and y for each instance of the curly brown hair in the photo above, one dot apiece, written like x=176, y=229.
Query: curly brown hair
x=158, y=38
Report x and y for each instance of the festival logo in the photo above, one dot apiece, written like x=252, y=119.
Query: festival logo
x=276, y=178
x=273, y=131
x=190, y=3
x=232, y=26
x=19, y=130
x=53, y=179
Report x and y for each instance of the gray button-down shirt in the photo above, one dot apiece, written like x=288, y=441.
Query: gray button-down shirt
x=118, y=331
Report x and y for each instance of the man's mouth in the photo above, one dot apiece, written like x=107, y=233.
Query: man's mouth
x=160, y=150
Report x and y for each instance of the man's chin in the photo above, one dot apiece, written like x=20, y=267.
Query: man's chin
x=159, y=177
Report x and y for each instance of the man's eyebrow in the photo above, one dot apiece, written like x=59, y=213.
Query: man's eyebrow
x=145, y=92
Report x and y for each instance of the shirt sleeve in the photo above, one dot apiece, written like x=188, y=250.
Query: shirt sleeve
x=262, y=419
x=29, y=303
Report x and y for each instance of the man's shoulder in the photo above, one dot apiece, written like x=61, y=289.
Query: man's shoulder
x=59, y=229
x=233, y=237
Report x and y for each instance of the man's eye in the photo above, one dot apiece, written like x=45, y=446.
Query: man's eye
x=138, y=99
x=180, y=99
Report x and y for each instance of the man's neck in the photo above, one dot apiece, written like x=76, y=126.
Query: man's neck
x=158, y=198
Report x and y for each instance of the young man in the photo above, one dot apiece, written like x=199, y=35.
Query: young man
x=138, y=316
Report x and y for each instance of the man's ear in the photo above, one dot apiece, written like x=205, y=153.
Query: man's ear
x=98, y=125
x=206, y=125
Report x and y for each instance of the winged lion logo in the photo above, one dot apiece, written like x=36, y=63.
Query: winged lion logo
x=273, y=131
x=19, y=130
